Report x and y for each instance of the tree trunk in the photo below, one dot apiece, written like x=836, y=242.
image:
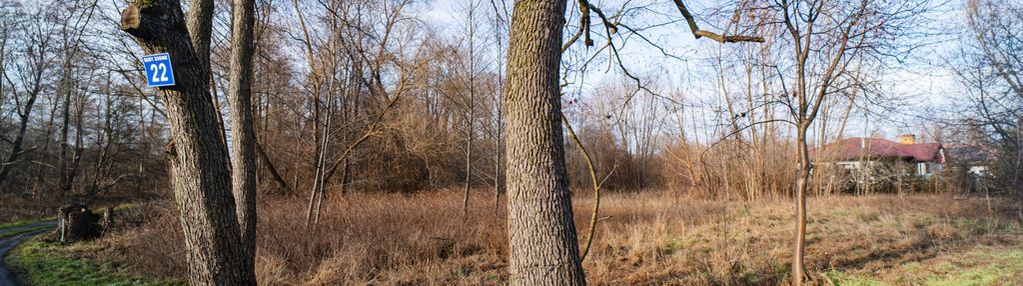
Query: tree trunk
x=76, y=155
x=801, y=188
x=541, y=233
x=468, y=169
x=200, y=28
x=65, y=92
x=243, y=137
x=1019, y=168
x=197, y=152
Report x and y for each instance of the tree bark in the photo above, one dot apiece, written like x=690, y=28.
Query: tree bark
x=541, y=232
x=197, y=152
x=801, y=188
x=243, y=137
x=200, y=29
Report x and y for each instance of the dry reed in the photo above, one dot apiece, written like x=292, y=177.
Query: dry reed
x=644, y=238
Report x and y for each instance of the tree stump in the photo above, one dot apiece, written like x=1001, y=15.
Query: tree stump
x=77, y=222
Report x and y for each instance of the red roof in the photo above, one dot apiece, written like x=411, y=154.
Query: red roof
x=874, y=148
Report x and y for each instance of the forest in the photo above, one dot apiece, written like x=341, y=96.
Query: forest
x=500, y=142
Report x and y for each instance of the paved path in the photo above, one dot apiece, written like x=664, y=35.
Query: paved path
x=8, y=243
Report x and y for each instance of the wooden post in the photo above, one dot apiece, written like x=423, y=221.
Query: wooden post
x=108, y=218
x=61, y=221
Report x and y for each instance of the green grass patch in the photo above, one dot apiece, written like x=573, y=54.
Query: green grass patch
x=846, y=279
x=27, y=230
x=985, y=266
x=42, y=263
x=987, y=269
x=24, y=222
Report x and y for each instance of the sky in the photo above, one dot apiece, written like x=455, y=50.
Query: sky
x=920, y=80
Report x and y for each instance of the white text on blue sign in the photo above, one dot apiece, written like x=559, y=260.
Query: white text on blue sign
x=159, y=71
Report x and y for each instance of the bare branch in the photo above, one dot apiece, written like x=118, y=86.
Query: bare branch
x=713, y=36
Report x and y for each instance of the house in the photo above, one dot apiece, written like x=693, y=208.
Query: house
x=854, y=153
x=976, y=159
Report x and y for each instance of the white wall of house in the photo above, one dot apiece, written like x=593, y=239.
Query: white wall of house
x=978, y=170
x=927, y=168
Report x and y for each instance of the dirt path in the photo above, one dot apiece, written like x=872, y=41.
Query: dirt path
x=7, y=243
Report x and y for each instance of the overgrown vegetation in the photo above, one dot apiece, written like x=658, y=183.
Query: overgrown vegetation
x=41, y=262
x=647, y=238
x=365, y=114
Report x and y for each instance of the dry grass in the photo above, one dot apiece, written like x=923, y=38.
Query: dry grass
x=647, y=239
x=21, y=207
x=15, y=208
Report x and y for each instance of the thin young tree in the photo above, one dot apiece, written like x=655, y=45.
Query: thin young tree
x=809, y=96
x=467, y=99
x=826, y=40
x=499, y=27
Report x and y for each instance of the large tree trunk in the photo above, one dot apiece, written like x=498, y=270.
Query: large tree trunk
x=541, y=233
x=243, y=137
x=197, y=152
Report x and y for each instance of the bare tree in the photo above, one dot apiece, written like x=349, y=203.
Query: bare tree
x=988, y=64
x=827, y=39
x=467, y=99
x=26, y=81
x=73, y=26
x=500, y=28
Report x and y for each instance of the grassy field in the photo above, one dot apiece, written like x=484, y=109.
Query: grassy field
x=24, y=222
x=645, y=238
x=46, y=263
x=23, y=231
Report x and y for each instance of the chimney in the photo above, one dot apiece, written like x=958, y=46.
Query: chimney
x=907, y=139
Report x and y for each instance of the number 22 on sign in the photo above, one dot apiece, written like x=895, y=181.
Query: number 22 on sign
x=159, y=71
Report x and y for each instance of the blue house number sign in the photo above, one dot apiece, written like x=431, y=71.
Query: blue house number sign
x=158, y=70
